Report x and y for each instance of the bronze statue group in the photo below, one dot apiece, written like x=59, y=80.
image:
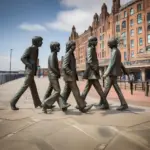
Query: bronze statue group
x=91, y=74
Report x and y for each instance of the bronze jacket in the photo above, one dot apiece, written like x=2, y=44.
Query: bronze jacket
x=30, y=57
x=115, y=65
x=53, y=67
x=69, y=67
x=92, y=65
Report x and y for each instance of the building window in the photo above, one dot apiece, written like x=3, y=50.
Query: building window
x=117, y=28
x=125, y=14
x=148, y=48
x=139, y=7
x=100, y=37
x=123, y=36
x=117, y=18
x=102, y=45
x=131, y=11
x=100, y=30
x=132, y=54
x=124, y=24
x=131, y=22
x=141, y=50
x=125, y=55
x=103, y=54
x=132, y=32
x=139, y=30
x=148, y=28
x=148, y=18
x=132, y=43
x=140, y=41
x=148, y=37
x=139, y=18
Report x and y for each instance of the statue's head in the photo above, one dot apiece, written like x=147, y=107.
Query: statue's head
x=113, y=42
x=55, y=47
x=70, y=45
x=37, y=41
x=92, y=41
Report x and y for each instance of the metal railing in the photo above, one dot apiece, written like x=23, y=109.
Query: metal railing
x=6, y=77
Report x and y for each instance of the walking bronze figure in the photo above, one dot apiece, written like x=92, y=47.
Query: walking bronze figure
x=113, y=71
x=54, y=75
x=70, y=78
x=92, y=72
x=29, y=58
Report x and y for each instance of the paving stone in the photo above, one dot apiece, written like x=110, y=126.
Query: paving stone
x=126, y=141
x=9, y=127
x=71, y=139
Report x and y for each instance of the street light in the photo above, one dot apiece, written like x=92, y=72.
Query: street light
x=10, y=59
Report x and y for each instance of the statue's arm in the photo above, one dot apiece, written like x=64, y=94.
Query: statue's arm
x=66, y=62
x=25, y=57
x=52, y=62
x=111, y=64
x=89, y=58
x=125, y=71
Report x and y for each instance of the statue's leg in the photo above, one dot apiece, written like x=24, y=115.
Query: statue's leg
x=35, y=95
x=53, y=97
x=48, y=92
x=27, y=82
x=106, y=90
x=66, y=92
x=86, y=89
x=78, y=98
x=99, y=90
x=120, y=95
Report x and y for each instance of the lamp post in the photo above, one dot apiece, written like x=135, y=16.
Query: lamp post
x=10, y=59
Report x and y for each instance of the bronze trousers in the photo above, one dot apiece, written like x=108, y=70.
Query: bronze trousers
x=71, y=86
x=98, y=88
x=112, y=80
x=29, y=82
x=52, y=98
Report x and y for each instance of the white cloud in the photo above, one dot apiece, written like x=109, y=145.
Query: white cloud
x=32, y=27
x=66, y=19
x=80, y=15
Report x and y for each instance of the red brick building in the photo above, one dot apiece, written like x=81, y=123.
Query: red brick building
x=131, y=24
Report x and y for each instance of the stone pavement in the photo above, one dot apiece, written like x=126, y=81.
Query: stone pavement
x=30, y=129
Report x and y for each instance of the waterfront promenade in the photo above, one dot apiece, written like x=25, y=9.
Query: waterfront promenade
x=30, y=129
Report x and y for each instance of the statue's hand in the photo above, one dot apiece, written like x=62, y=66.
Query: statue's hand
x=104, y=76
x=29, y=66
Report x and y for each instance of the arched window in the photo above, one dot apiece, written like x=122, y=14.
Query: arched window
x=148, y=17
x=139, y=18
x=139, y=7
x=148, y=27
x=132, y=32
x=124, y=24
x=140, y=41
x=131, y=11
x=131, y=23
x=139, y=30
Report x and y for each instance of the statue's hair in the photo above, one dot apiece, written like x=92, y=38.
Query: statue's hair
x=113, y=42
x=36, y=39
x=91, y=39
x=53, y=45
x=69, y=44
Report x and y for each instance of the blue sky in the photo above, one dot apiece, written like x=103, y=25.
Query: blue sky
x=20, y=20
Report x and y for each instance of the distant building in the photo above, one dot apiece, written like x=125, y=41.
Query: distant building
x=131, y=24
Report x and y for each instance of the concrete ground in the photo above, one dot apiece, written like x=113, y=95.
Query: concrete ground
x=30, y=129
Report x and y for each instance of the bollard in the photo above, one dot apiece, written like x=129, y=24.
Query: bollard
x=131, y=87
x=147, y=89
